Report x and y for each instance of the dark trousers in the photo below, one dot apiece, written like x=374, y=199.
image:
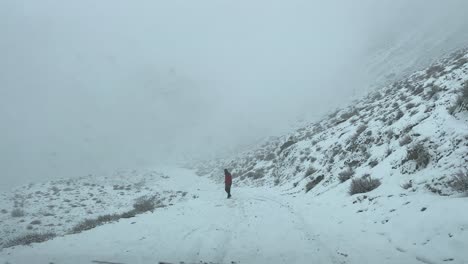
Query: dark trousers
x=228, y=190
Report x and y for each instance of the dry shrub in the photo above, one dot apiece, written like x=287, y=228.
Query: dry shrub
x=363, y=185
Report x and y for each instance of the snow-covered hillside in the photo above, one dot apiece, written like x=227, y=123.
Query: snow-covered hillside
x=370, y=183
x=411, y=51
x=57, y=207
x=401, y=133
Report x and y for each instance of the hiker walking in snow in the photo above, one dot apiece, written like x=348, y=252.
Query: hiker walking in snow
x=227, y=182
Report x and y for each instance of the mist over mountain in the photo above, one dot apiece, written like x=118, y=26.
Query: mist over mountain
x=90, y=87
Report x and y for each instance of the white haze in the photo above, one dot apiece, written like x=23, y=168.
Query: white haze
x=90, y=86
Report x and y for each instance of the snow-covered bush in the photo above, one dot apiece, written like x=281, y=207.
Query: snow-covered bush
x=434, y=70
x=405, y=140
x=418, y=90
x=144, y=204
x=29, y=239
x=361, y=129
x=407, y=185
x=286, y=145
x=55, y=189
x=377, y=96
x=35, y=222
x=346, y=175
x=461, y=104
x=390, y=133
x=399, y=115
x=17, y=213
x=347, y=115
x=277, y=181
x=419, y=154
x=86, y=224
x=363, y=185
x=310, y=171
x=128, y=214
x=314, y=183
x=403, y=97
x=270, y=156
x=108, y=218
x=433, y=91
x=373, y=163
x=460, y=62
x=335, y=150
x=410, y=106
x=460, y=182
x=463, y=99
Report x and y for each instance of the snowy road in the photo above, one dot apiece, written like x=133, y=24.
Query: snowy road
x=258, y=225
x=253, y=226
x=250, y=227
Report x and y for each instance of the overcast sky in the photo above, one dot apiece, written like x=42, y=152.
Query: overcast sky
x=90, y=86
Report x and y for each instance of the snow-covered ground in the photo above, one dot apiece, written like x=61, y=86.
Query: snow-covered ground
x=291, y=197
x=57, y=206
x=265, y=225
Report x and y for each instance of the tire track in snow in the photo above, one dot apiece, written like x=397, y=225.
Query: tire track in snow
x=239, y=206
x=191, y=232
x=302, y=226
x=212, y=242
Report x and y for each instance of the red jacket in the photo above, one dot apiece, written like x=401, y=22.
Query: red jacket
x=227, y=178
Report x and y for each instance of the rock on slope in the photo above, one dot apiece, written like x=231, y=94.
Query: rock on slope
x=408, y=133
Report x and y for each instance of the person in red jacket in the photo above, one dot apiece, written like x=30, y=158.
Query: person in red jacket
x=227, y=182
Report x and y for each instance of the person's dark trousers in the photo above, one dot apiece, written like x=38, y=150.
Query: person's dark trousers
x=228, y=190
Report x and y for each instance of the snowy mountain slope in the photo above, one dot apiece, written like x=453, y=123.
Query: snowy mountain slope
x=57, y=206
x=415, y=49
x=374, y=136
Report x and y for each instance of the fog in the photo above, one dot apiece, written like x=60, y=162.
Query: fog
x=88, y=87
